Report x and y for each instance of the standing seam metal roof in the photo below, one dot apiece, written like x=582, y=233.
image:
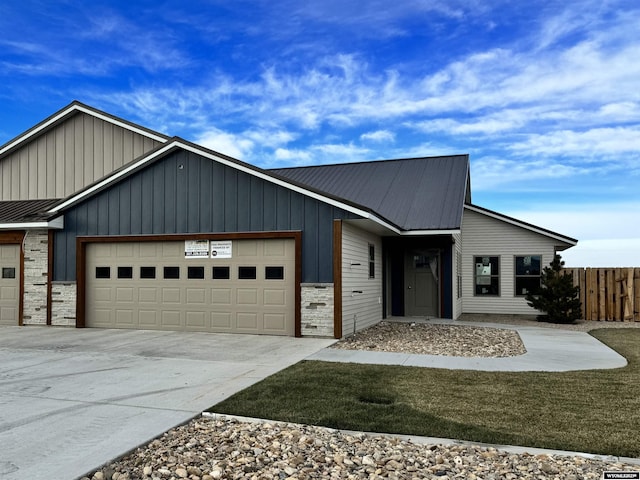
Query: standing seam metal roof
x=416, y=194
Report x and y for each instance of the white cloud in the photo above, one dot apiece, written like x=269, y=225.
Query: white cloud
x=610, y=252
x=378, y=136
x=227, y=143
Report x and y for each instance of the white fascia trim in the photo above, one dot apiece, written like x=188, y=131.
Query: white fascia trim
x=521, y=225
x=242, y=168
x=409, y=233
x=79, y=108
x=56, y=223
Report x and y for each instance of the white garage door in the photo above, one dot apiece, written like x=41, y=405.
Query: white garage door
x=9, y=284
x=244, y=286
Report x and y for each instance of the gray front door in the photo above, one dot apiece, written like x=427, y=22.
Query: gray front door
x=421, y=281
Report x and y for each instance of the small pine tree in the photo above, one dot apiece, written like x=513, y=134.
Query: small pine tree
x=557, y=298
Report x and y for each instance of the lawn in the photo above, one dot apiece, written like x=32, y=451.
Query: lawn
x=595, y=411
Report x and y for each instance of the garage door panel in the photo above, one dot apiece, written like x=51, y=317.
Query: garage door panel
x=124, y=294
x=148, y=294
x=148, y=318
x=171, y=295
x=170, y=318
x=275, y=322
x=247, y=296
x=152, y=285
x=124, y=318
x=9, y=293
x=221, y=320
x=221, y=296
x=196, y=296
x=247, y=321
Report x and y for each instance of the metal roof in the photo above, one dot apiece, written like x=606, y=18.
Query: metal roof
x=416, y=194
x=21, y=211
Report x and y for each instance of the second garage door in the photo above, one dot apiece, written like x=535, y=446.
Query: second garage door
x=248, y=287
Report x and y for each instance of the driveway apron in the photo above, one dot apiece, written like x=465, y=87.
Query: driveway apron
x=73, y=399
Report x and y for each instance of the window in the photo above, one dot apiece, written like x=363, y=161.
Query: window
x=103, y=272
x=147, y=272
x=125, y=272
x=527, y=274
x=459, y=272
x=487, y=276
x=8, y=272
x=195, y=272
x=246, y=273
x=221, y=273
x=274, y=273
x=171, y=273
x=372, y=261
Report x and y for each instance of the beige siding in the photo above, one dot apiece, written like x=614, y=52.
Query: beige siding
x=457, y=270
x=360, y=310
x=483, y=235
x=69, y=157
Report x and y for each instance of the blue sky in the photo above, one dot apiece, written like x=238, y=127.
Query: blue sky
x=543, y=95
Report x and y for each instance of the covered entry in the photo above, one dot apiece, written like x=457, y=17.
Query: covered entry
x=418, y=274
x=9, y=284
x=235, y=285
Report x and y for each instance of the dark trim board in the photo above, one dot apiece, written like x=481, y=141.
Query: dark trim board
x=81, y=254
x=50, y=238
x=337, y=279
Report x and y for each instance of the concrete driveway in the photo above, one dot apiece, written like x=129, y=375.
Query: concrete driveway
x=73, y=399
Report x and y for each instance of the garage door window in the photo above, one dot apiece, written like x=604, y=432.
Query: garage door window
x=8, y=272
x=125, y=272
x=195, y=272
x=221, y=273
x=171, y=273
x=147, y=272
x=247, y=273
x=103, y=272
x=273, y=273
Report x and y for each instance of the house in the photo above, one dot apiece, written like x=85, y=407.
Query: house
x=105, y=223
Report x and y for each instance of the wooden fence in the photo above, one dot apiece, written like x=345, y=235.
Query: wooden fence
x=608, y=294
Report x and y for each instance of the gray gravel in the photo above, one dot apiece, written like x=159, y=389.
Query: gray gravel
x=435, y=339
x=207, y=449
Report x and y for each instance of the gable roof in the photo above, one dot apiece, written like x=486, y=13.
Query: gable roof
x=519, y=223
x=176, y=143
x=72, y=109
x=417, y=194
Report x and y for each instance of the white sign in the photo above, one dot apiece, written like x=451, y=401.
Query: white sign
x=196, y=249
x=221, y=249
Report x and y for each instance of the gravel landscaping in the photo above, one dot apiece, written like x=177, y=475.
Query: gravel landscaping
x=207, y=449
x=435, y=339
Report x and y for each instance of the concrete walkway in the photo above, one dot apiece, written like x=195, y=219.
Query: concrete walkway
x=548, y=350
x=73, y=399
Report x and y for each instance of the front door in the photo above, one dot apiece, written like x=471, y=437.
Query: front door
x=421, y=282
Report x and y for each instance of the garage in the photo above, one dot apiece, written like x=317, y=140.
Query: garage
x=9, y=284
x=219, y=285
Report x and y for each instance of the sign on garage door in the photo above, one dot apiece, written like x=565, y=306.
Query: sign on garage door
x=9, y=284
x=173, y=286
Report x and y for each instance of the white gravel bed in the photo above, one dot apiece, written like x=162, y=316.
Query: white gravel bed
x=207, y=449
x=436, y=339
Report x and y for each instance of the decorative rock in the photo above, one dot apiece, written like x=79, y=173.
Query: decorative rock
x=146, y=471
x=181, y=472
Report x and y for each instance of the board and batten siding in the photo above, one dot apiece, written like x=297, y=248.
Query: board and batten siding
x=486, y=236
x=361, y=295
x=67, y=158
x=187, y=193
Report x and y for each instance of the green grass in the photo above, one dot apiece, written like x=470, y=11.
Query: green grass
x=595, y=411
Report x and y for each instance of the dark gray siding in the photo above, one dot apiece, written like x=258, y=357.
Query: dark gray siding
x=202, y=196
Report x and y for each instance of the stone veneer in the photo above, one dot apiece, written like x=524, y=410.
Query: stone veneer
x=36, y=262
x=316, y=303
x=63, y=304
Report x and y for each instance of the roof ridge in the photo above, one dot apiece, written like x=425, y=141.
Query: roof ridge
x=362, y=162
